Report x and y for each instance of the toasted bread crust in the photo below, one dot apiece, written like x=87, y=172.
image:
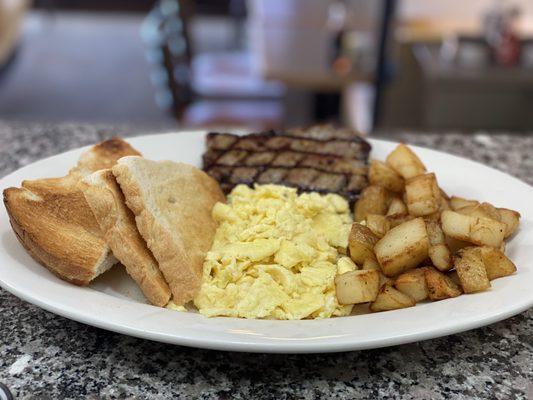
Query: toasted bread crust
x=49, y=245
x=54, y=223
x=172, y=203
x=117, y=223
x=102, y=156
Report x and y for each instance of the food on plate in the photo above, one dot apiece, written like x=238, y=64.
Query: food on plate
x=396, y=207
x=355, y=287
x=422, y=195
x=511, y=219
x=403, y=247
x=431, y=246
x=284, y=245
x=320, y=159
x=276, y=255
x=380, y=174
x=413, y=283
x=438, y=251
x=373, y=200
x=390, y=298
x=118, y=227
x=361, y=243
x=497, y=264
x=405, y=162
x=172, y=203
x=471, y=270
x=440, y=286
x=478, y=230
x=52, y=220
x=378, y=224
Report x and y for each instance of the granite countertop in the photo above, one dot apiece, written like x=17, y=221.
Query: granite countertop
x=44, y=356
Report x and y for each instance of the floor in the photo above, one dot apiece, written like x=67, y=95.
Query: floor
x=81, y=67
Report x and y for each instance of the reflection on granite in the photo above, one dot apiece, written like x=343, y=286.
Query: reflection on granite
x=44, y=356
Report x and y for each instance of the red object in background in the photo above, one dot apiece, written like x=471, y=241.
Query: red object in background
x=507, y=52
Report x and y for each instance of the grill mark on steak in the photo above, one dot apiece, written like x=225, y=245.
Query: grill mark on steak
x=320, y=159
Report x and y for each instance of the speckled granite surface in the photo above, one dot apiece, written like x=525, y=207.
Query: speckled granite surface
x=43, y=356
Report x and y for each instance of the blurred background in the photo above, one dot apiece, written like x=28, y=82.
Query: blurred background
x=260, y=64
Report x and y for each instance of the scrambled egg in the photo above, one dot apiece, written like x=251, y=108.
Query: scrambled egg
x=276, y=254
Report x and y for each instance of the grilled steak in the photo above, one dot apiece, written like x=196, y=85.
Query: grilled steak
x=321, y=159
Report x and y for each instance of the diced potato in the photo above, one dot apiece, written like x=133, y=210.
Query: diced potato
x=484, y=210
x=454, y=277
x=471, y=270
x=477, y=230
x=373, y=200
x=356, y=287
x=378, y=224
x=438, y=251
x=444, y=195
x=404, y=161
x=398, y=219
x=413, y=284
x=455, y=244
x=390, y=298
x=380, y=174
x=497, y=264
x=361, y=243
x=458, y=202
x=371, y=263
x=511, y=219
x=440, y=257
x=423, y=195
x=435, y=234
x=444, y=202
x=439, y=285
x=403, y=247
x=397, y=207
x=383, y=280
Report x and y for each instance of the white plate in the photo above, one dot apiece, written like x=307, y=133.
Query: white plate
x=113, y=302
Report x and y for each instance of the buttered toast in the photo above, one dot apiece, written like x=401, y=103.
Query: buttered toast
x=117, y=224
x=172, y=203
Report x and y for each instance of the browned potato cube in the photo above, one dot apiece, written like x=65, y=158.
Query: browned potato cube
x=483, y=210
x=423, y=195
x=371, y=263
x=438, y=251
x=390, y=298
x=380, y=174
x=373, y=200
x=455, y=244
x=440, y=286
x=454, y=277
x=511, y=219
x=378, y=224
x=398, y=219
x=435, y=234
x=361, y=243
x=477, y=230
x=458, y=202
x=403, y=247
x=413, y=284
x=404, y=161
x=496, y=263
x=397, y=207
x=440, y=257
x=471, y=270
x=356, y=287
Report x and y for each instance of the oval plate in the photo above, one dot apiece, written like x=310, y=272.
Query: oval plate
x=113, y=301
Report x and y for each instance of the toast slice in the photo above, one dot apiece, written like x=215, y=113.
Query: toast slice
x=117, y=224
x=54, y=223
x=172, y=203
